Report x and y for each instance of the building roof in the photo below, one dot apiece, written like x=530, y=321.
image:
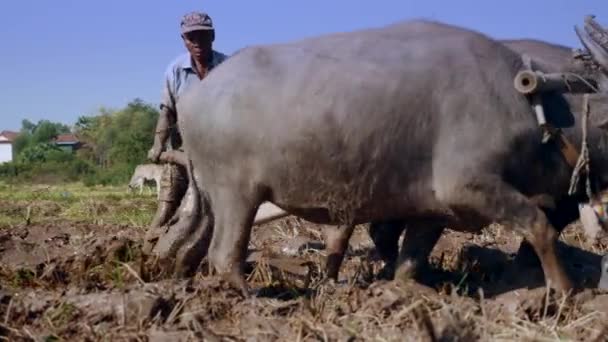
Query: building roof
x=10, y=136
x=66, y=139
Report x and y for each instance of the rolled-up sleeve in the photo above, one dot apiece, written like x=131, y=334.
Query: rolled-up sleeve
x=168, y=90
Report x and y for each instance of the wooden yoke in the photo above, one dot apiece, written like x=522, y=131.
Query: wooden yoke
x=530, y=82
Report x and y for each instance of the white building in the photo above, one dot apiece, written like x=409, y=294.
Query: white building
x=6, y=146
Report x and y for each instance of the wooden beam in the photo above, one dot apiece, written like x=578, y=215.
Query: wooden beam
x=531, y=82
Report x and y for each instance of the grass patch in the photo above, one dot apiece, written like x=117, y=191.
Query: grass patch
x=21, y=204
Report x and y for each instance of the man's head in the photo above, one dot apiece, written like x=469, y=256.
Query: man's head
x=198, y=34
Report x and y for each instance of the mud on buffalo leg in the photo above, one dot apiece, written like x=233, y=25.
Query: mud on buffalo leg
x=180, y=228
x=176, y=233
x=190, y=255
x=385, y=235
x=496, y=201
x=421, y=236
x=233, y=213
x=337, y=243
x=174, y=183
x=199, y=223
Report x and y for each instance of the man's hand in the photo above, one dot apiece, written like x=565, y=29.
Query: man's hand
x=165, y=118
x=154, y=153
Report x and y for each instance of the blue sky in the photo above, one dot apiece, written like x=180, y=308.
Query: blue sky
x=65, y=58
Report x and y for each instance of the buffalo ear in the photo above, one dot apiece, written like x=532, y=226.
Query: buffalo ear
x=595, y=39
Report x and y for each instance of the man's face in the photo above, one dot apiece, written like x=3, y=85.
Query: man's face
x=198, y=43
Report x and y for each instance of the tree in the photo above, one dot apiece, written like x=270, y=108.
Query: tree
x=33, y=134
x=40, y=153
x=114, y=142
x=27, y=126
x=46, y=131
x=21, y=142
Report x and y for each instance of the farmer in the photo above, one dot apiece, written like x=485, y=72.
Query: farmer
x=198, y=34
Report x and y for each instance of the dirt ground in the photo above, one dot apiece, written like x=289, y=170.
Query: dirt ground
x=70, y=280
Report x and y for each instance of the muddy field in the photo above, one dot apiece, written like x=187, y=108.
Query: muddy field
x=72, y=270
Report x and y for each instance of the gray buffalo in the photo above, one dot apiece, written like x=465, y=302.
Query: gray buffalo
x=564, y=208
x=414, y=121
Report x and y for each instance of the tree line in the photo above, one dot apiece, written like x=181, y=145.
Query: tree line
x=112, y=144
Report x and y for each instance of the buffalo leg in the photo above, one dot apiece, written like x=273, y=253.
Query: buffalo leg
x=178, y=231
x=492, y=200
x=233, y=214
x=337, y=243
x=603, y=283
x=420, y=239
x=565, y=212
x=385, y=235
x=196, y=246
x=195, y=249
x=173, y=185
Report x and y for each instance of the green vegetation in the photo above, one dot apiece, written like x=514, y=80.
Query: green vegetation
x=112, y=144
x=74, y=202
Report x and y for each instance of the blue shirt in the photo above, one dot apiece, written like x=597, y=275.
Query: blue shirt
x=180, y=75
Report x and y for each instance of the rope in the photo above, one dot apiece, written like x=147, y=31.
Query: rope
x=583, y=159
x=582, y=79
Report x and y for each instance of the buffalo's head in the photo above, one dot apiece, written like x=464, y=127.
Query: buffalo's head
x=134, y=183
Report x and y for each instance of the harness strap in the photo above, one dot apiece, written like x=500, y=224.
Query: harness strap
x=568, y=150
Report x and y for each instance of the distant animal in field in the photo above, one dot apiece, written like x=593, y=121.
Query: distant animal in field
x=145, y=174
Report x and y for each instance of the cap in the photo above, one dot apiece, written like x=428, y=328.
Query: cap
x=195, y=21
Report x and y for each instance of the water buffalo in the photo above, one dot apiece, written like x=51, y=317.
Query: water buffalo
x=417, y=120
x=145, y=174
x=563, y=209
